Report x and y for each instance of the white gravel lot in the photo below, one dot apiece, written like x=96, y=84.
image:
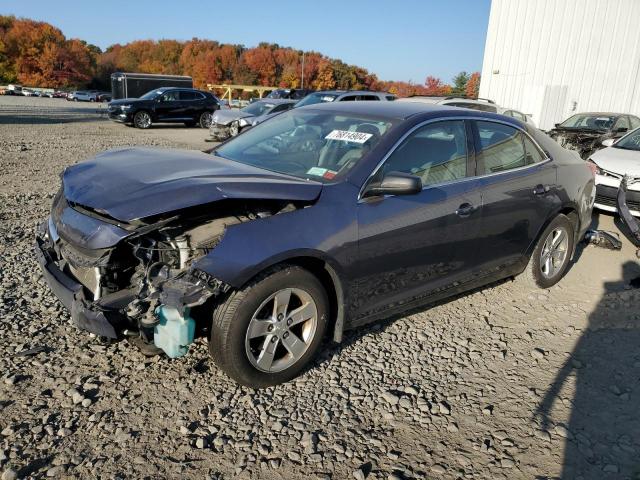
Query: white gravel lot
x=503, y=383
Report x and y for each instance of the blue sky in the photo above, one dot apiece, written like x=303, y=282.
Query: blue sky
x=397, y=40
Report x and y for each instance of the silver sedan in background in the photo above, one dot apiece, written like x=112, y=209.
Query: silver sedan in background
x=229, y=123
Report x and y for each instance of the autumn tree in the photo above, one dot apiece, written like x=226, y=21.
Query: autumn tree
x=473, y=85
x=325, y=79
x=460, y=83
x=434, y=86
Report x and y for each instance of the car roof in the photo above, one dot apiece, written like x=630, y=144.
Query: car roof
x=400, y=110
x=276, y=101
x=595, y=114
x=342, y=92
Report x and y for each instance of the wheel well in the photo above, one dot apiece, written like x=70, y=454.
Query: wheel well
x=331, y=285
x=573, y=217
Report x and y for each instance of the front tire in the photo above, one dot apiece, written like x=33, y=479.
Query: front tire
x=142, y=120
x=267, y=332
x=551, y=255
x=234, y=129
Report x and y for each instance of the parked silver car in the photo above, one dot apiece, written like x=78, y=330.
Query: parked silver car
x=481, y=104
x=83, y=96
x=229, y=123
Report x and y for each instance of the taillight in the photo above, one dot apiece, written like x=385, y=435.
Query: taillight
x=595, y=170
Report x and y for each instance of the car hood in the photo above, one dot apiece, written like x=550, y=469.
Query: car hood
x=225, y=117
x=135, y=183
x=618, y=160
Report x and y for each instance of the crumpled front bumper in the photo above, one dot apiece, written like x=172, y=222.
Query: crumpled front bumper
x=219, y=132
x=104, y=320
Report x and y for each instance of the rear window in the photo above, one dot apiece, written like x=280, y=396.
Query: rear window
x=187, y=95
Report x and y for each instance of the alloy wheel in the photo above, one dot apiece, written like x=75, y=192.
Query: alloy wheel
x=281, y=330
x=554, y=252
x=205, y=119
x=143, y=120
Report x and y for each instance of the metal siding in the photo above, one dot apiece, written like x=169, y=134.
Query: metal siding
x=551, y=54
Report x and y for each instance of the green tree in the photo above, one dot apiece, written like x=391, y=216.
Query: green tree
x=460, y=83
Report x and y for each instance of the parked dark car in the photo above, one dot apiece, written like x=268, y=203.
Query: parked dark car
x=585, y=132
x=321, y=219
x=231, y=122
x=166, y=105
x=103, y=97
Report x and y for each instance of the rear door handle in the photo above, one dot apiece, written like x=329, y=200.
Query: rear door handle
x=465, y=210
x=541, y=189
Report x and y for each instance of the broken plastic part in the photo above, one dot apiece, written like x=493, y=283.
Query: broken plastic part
x=604, y=239
x=625, y=214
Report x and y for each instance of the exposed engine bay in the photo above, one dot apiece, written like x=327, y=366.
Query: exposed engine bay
x=149, y=274
x=585, y=142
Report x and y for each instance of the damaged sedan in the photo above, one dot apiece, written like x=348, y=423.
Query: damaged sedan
x=322, y=219
x=585, y=132
x=231, y=122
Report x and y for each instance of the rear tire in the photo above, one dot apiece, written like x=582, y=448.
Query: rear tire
x=551, y=255
x=267, y=332
x=205, y=119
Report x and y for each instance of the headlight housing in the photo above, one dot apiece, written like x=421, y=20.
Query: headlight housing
x=126, y=107
x=243, y=122
x=595, y=169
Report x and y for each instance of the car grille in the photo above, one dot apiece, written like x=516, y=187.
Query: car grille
x=608, y=196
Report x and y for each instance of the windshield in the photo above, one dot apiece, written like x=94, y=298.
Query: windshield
x=589, y=122
x=152, y=94
x=316, y=98
x=309, y=144
x=630, y=142
x=257, y=108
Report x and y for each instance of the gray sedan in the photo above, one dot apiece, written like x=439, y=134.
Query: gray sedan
x=229, y=123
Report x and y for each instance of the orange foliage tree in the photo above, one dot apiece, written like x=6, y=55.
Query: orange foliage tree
x=473, y=85
x=38, y=54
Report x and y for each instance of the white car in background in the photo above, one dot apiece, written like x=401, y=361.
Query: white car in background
x=620, y=158
x=481, y=104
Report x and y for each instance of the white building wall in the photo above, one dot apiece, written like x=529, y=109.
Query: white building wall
x=553, y=58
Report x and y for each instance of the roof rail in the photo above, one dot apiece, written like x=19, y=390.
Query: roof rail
x=453, y=97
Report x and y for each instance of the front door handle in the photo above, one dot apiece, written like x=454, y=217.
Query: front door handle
x=541, y=189
x=465, y=210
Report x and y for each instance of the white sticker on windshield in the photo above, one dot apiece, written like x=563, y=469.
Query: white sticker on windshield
x=317, y=171
x=356, y=137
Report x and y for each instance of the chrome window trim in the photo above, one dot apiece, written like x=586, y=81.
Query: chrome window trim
x=395, y=146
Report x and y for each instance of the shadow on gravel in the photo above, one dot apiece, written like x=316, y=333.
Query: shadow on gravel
x=46, y=120
x=602, y=436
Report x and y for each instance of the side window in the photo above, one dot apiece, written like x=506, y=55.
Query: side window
x=501, y=148
x=437, y=153
x=635, y=122
x=368, y=97
x=170, y=97
x=534, y=155
x=390, y=97
x=188, y=95
x=348, y=98
x=621, y=122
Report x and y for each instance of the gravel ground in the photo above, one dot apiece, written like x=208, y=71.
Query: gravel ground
x=503, y=383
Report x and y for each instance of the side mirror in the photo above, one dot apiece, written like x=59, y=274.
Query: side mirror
x=608, y=142
x=557, y=125
x=622, y=129
x=395, y=183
